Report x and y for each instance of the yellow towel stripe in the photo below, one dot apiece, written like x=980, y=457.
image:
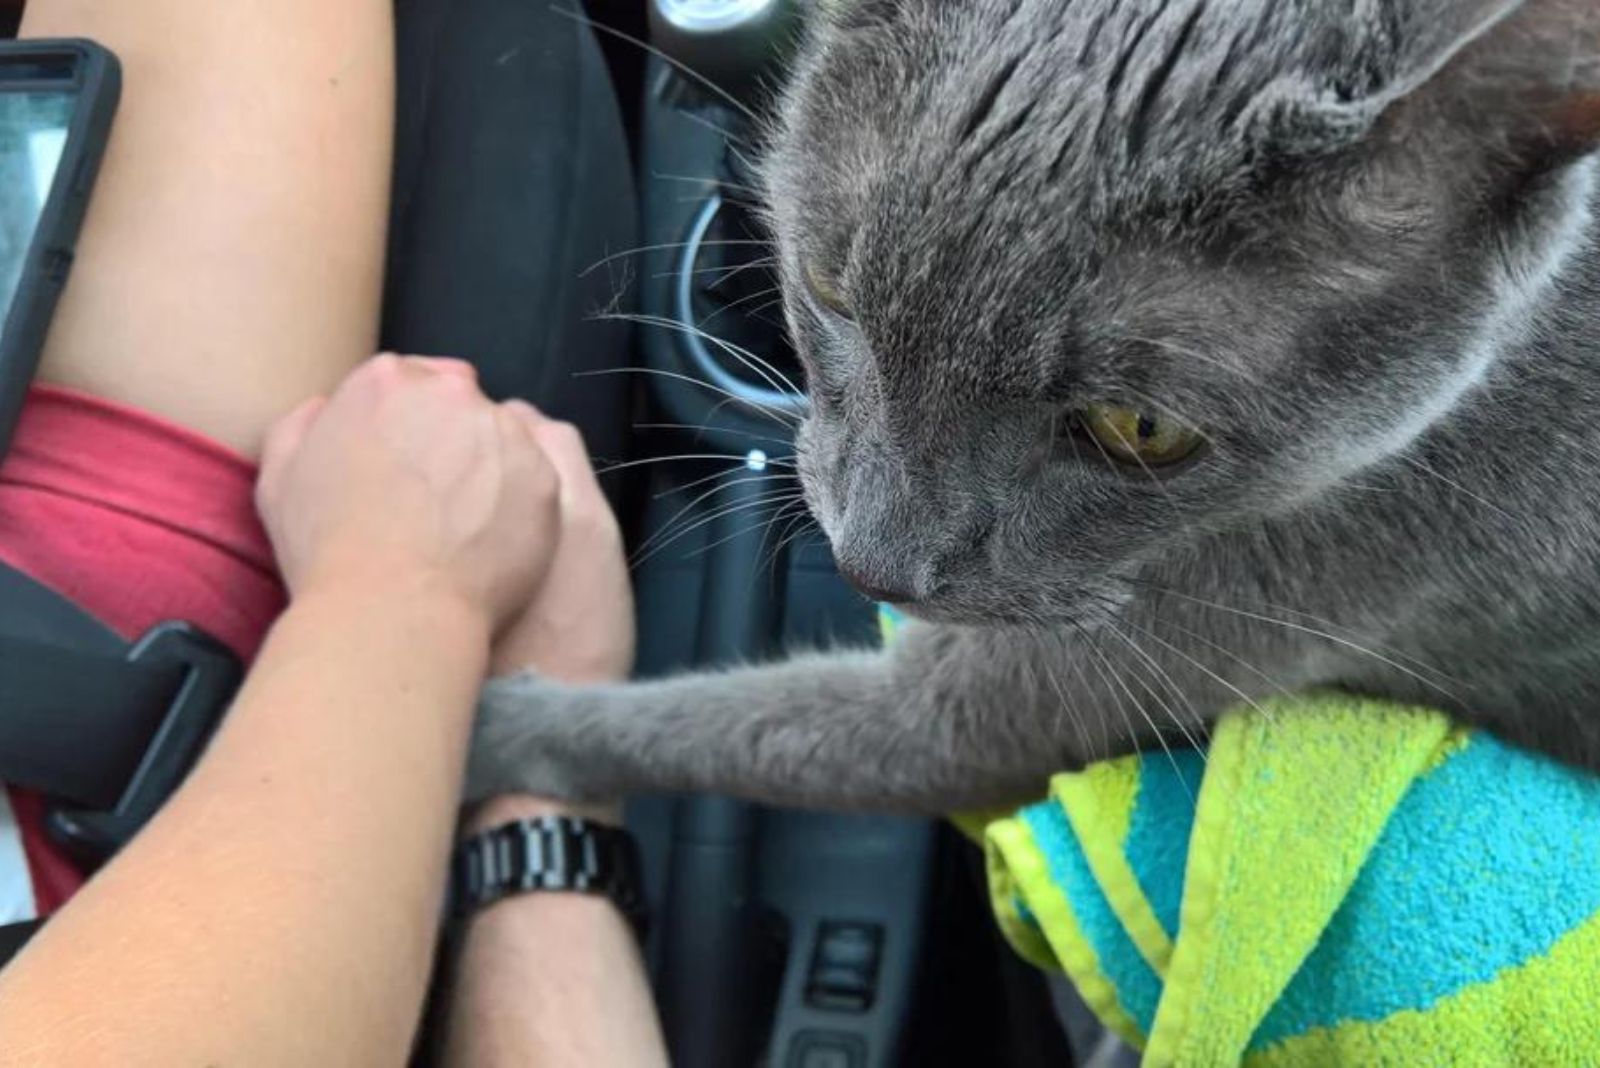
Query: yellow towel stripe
x=1248, y=922
x=1015, y=864
x=1512, y=1020
x=1099, y=804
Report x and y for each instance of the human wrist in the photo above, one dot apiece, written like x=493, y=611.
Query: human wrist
x=513, y=808
x=428, y=620
x=515, y=846
x=573, y=670
x=405, y=592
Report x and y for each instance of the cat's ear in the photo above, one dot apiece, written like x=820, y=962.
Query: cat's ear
x=1521, y=74
x=1528, y=78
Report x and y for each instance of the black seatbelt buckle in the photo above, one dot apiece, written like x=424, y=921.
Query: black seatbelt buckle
x=210, y=679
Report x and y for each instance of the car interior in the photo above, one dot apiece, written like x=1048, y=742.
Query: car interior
x=788, y=938
x=783, y=938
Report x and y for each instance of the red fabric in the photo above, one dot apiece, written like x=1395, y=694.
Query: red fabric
x=137, y=521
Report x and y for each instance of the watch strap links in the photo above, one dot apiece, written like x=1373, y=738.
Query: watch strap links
x=553, y=853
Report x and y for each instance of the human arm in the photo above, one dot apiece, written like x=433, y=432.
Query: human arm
x=282, y=908
x=545, y=979
x=549, y=980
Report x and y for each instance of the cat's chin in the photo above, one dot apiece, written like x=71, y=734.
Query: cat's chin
x=972, y=616
x=1087, y=608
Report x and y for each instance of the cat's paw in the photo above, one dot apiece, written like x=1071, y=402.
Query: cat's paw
x=516, y=748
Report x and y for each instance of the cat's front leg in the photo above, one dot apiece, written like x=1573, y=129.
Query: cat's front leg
x=947, y=718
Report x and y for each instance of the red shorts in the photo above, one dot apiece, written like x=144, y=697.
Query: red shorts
x=137, y=521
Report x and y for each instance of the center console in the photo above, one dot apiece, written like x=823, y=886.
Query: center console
x=783, y=938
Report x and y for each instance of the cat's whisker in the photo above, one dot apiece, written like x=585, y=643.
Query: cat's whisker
x=1314, y=632
x=1172, y=413
x=766, y=522
x=1199, y=357
x=666, y=246
x=733, y=272
x=722, y=268
x=680, y=457
x=767, y=564
x=1224, y=650
x=716, y=408
x=726, y=272
x=1337, y=628
x=725, y=539
x=746, y=299
x=1155, y=479
x=1218, y=679
x=773, y=502
x=701, y=428
x=793, y=512
x=1076, y=663
x=772, y=376
x=1073, y=663
x=766, y=263
x=682, y=68
x=1110, y=676
x=801, y=520
x=763, y=563
x=1069, y=708
x=1387, y=650
x=1165, y=679
x=751, y=361
x=734, y=398
x=1111, y=465
x=741, y=469
x=1413, y=462
x=666, y=528
x=737, y=149
x=727, y=135
x=706, y=180
x=763, y=501
x=755, y=313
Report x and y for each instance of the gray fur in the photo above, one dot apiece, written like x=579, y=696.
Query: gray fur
x=1353, y=241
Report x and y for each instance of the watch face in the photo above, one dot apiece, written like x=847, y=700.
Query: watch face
x=710, y=16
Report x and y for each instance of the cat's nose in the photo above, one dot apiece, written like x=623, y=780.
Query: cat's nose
x=875, y=590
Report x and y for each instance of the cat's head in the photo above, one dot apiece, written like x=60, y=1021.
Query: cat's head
x=1075, y=282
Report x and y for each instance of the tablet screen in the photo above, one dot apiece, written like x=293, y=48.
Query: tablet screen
x=33, y=136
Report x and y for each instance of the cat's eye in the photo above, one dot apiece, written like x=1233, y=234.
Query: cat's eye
x=1146, y=438
x=825, y=291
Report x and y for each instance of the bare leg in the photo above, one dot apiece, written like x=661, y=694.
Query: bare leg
x=231, y=262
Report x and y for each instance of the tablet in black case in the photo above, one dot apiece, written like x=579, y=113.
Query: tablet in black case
x=57, y=102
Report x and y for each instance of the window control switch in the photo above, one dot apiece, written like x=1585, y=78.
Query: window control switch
x=844, y=967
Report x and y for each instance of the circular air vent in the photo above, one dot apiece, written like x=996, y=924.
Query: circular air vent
x=729, y=302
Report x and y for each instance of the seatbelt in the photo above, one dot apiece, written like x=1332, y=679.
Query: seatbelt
x=76, y=725
x=59, y=668
x=106, y=728
x=13, y=936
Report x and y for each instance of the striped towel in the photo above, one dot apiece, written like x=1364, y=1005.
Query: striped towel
x=1334, y=881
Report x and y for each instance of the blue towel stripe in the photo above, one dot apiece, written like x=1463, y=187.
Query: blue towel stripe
x=1392, y=947
x=1158, y=835
x=1138, y=987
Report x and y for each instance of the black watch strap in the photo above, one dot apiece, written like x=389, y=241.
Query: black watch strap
x=553, y=853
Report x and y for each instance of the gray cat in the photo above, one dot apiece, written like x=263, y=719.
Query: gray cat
x=1166, y=355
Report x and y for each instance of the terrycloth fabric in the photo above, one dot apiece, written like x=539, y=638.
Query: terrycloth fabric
x=1334, y=882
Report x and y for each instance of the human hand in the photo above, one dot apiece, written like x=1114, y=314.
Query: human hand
x=579, y=627
x=409, y=475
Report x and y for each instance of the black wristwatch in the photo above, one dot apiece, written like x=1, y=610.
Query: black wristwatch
x=553, y=853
